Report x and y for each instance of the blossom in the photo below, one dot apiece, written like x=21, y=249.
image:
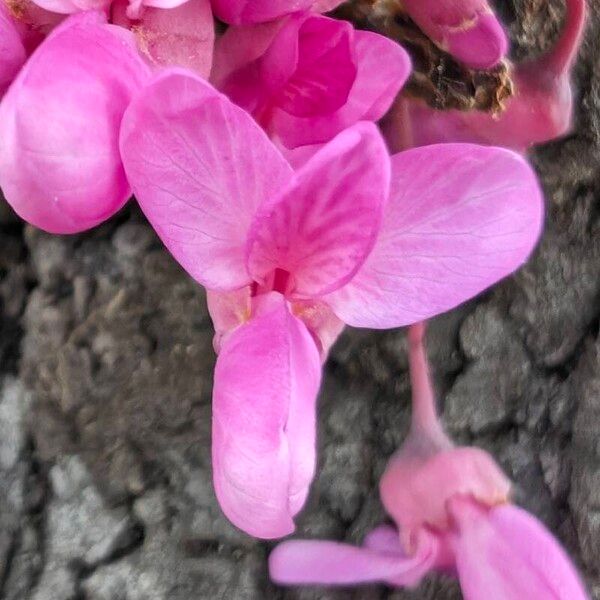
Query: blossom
x=63, y=172
x=289, y=256
x=244, y=12
x=467, y=29
x=540, y=110
x=451, y=509
x=307, y=77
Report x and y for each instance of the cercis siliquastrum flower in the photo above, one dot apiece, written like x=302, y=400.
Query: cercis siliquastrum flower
x=540, y=109
x=288, y=257
x=452, y=514
x=305, y=78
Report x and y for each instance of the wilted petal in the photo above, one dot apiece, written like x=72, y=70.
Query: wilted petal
x=321, y=229
x=266, y=382
x=334, y=563
x=199, y=167
x=63, y=172
x=507, y=554
x=242, y=12
x=468, y=29
x=181, y=36
x=383, y=66
x=12, y=51
x=460, y=217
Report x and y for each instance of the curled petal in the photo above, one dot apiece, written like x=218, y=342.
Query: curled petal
x=460, y=217
x=333, y=563
x=243, y=12
x=12, y=51
x=63, y=173
x=383, y=67
x=266, y=382
x=468, y=29
x=506, y=553
x=321, y=229
x=199, y=167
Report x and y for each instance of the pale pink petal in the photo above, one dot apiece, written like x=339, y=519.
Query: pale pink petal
x=228, y=310
x=310, y=66
x=460, y=218
x=334, y=563
x=181, y=36
x=63, y=172
x=321, y=229
x=507, y=554
x=322, y=323
x=12, y=51
x=243, y=12
x=324, y=6
x=199, y=167
x=468, y=29
x=266, y=382
x=67, y=7
x=383, y=66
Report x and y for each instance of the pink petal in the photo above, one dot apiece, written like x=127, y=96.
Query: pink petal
x=459, y=219
x=321, y=229
x=12, y=51
x=324, y=6
x=266, y=382
x=228, y=310
x=63, y=172
x=181, y=36
x=334, y=563
x=467, y=29
x=199, y=167
x=322, y=323
x=243, y=12
x=507, y=554
x=382, y=69
x=310, y=67
x=67, y=7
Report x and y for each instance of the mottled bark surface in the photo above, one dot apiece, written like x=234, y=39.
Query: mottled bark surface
x=105, y=384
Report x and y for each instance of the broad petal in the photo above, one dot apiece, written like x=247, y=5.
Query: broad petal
x=67, y=7
x=507, y=554
x=199, y=167
x=266, y=382
x=321, y=229
x=63, y=173
x=468, y=29
x=333, y=563
x=12, y=51
x=460, y=218
x=182, y=35
x=244, y=12
x=383, y=67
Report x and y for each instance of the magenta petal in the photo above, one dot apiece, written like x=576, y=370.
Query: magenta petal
x=321, y=229
x=242, y=12
x=334, y=563
x=63, y=172
x=310, y=67
x=467, y=29
x=460, y=217
x=383, y=66
x=182, y=36
x=12, y=51
x=507, y=554
x=266, y=382
x=199, y=167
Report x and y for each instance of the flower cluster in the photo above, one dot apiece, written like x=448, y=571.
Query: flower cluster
x=252, y=148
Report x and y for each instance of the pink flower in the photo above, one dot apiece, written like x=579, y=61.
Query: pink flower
x=289, y=256
x=541, y=109
x=451, y=509
x=305, y=78
x=467, y=29
x=244, y=12
x=60, y=167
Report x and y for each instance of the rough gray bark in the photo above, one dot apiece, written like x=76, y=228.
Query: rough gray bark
x=105, y=487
